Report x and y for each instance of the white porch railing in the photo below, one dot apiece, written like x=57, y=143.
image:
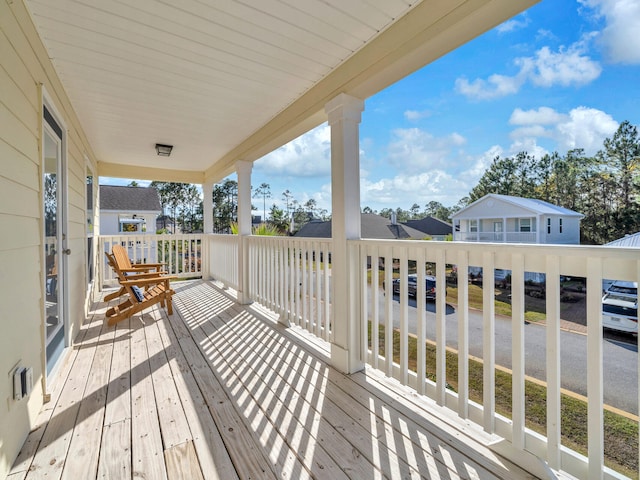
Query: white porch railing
x=496, y=237
x=293, y=277
x=223, y=251
x=181, y=254
x=592, y=263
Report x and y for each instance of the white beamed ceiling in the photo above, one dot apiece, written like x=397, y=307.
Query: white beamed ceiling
x=224, y=80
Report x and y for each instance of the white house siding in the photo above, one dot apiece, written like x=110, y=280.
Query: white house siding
x=570, y=230
x=24, y=66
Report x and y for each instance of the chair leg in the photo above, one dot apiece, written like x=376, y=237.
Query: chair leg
x=115, y=295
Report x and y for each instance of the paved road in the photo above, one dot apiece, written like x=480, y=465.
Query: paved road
x=620, y=353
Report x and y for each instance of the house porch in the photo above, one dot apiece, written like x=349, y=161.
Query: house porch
x=222, y=390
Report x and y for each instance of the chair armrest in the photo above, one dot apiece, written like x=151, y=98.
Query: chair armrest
x=147, y=281
x=161, y=274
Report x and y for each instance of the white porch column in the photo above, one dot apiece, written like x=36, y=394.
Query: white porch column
x=207, y=207
x=344, y=114
x=243, y=170
x=207, y=228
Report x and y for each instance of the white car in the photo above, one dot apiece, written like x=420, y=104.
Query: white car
x=620, y=307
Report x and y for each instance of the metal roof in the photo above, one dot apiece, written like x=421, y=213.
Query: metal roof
x=632, y=240
x=539, y=207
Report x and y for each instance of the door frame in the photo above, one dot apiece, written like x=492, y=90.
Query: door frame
x=62, y=233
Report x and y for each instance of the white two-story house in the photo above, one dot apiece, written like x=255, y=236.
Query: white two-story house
x=507, y=219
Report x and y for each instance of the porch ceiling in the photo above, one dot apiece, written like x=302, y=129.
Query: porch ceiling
x=223, y=80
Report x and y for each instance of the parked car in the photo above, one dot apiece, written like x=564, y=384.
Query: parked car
x=620, y=307
x=412, y=286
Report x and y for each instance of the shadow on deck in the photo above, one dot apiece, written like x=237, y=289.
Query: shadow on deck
x=220, y=390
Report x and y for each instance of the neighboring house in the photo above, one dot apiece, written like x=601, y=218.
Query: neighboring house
x=372, y=226
x=432, y=227
x=507, y=219
x=128, y=210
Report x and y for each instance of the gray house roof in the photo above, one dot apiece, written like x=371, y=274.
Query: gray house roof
x=626, y=241
x=129, y=198
x=538, y=207
x=431, y=226
x=372, y=226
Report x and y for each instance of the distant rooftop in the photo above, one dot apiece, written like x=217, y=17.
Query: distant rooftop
x=632, y=240
x=372, y=226
x=531, y=204
x=431, y=226
x=129, y=198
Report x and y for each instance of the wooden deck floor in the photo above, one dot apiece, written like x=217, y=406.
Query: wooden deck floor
x=219, y=390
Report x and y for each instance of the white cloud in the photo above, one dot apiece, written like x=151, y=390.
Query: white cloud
x=586, y=128
x=582, y=127
x=494, y=87
x=413, y=149
x=619, y=38
x=307, y=156
x=517, y=23
x=566, y=67
x=415, y=115
x=406, y=189
x=542, y=116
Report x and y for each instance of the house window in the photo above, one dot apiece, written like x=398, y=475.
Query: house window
x=560, y=225
x=525, y=224
x=132, y=225
x=473, y=225
x=548, y=226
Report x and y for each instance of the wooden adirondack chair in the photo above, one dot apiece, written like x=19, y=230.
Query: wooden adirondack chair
x=157, y=289
x=125, y=265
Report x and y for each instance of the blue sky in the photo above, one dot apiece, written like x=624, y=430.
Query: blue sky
x=562, y=75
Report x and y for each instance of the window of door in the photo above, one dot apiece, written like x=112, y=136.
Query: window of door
x=54, y=238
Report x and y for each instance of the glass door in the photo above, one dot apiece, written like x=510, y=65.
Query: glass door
x=53, y=240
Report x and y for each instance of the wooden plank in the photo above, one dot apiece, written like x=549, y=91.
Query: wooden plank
x=248, y=459
x=119, y=391
x=210, y=449
x=173, y=423
x=357, y=430
x=84, y=450
x=293, y=393
x=115, y=451
x=25, y=458
x=182, y=462
x=441, y=428
x=51, y=455
x=391, y=438
x=283, y=461
x=147, y=451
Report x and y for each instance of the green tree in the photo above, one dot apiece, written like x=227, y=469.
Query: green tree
x=287, y=198
x=264, y=191
x=225, y=205
x=278, y=219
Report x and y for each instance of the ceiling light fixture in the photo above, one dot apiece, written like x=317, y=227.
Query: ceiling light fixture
x=163, y=150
